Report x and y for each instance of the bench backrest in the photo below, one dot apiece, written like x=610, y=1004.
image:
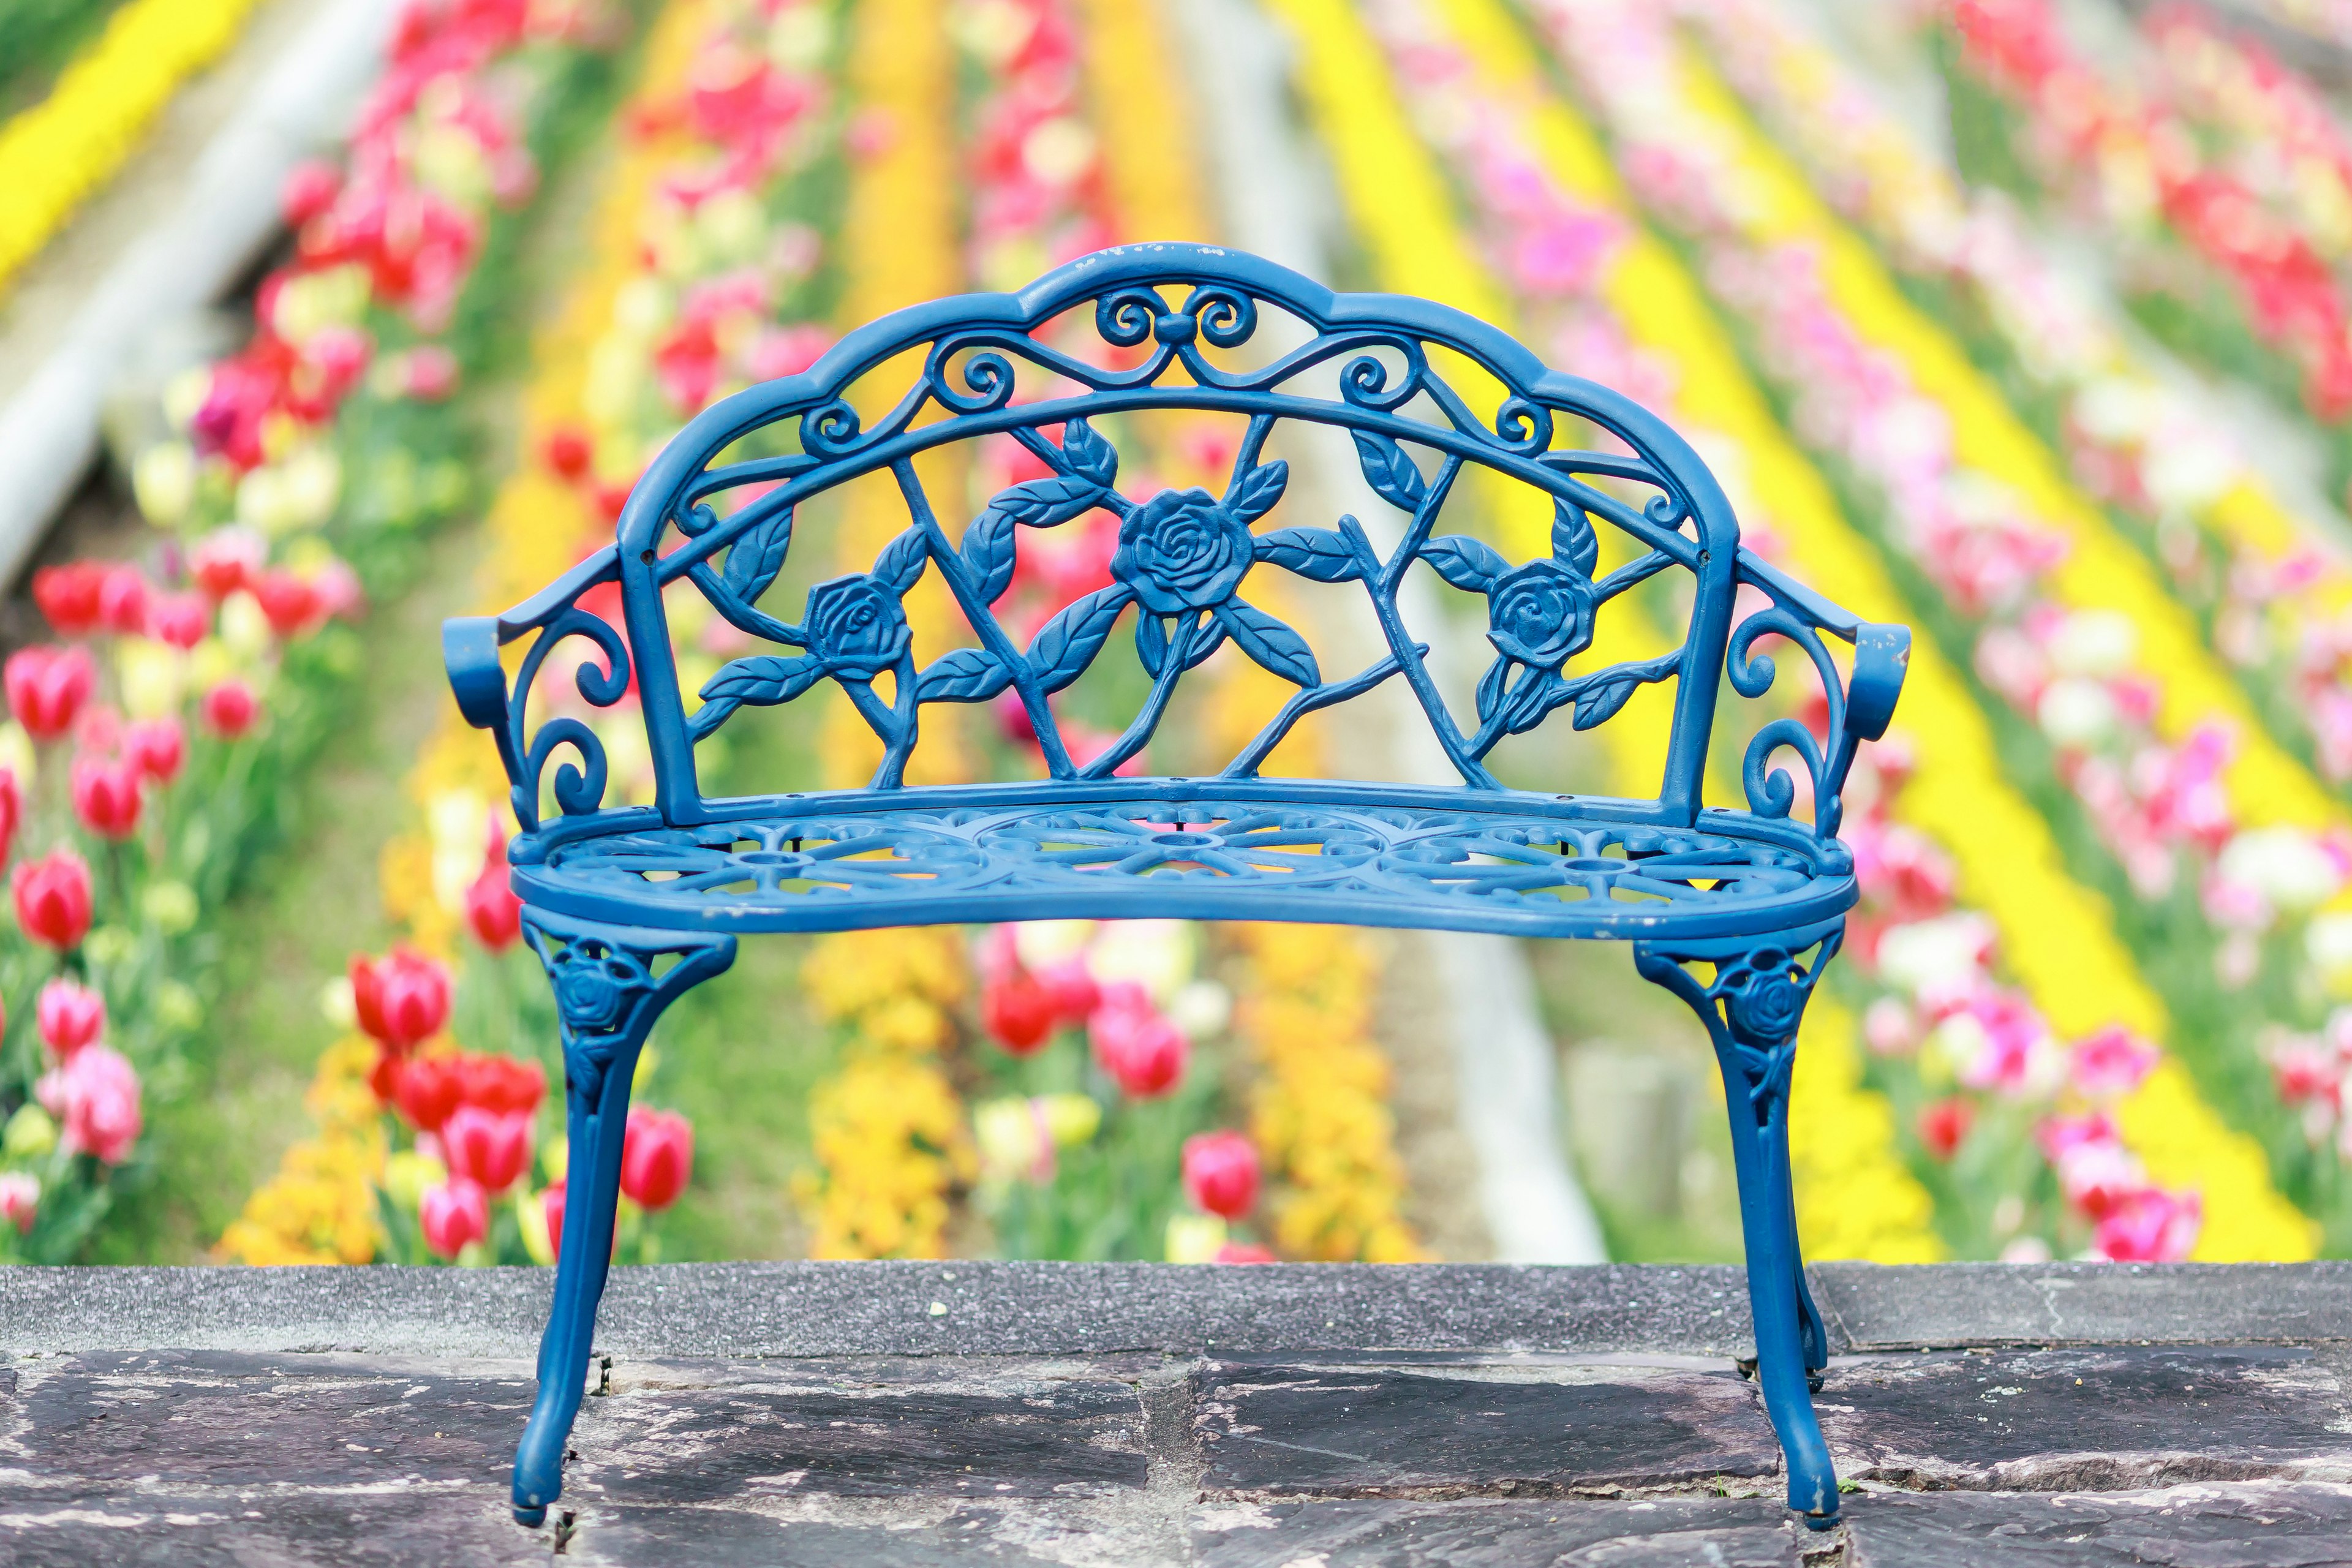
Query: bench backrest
x=1175, y=327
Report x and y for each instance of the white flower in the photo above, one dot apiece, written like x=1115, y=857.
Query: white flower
x=1943, y=952
x=1155, y=954
x=2283, y=865
x=2076, y=712
x=2095, y=642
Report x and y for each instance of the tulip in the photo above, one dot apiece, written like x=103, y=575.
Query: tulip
x=179, y=619
x=432, y=372
x=1142, y=1051
x=1017, y=1012
x=12, y=811
x=401, y=998
x=569, y=452
x=427, y=1090
x=106, y=795
x=2112, y=1062
x=68, y=595
x=96, y=1096
x=53, y=899
x=47, y=685
x=230, y=709
x=310, y=189
x=69, y=1016
x=500, y=1084
x=1944, y=1126
x=156, y=748
x=292, y=604
x=227, y=560
x=1243, y=1252
x=122, y=600
x=491, y=1149
x=2100, y=1178
x=551, y=1206
x=1221, y=1172
x=2150, y=1226
x=451, y=1214
x=20, y=1198
x=491, y=907
x=656, y=1157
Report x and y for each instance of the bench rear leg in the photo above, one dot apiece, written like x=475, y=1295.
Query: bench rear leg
x=1751, y=1008
x=611, y=983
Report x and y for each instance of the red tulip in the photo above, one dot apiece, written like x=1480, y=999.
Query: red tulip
x=156, y=747
x=12, y=811
x=1221, y=1172
x=492, y=909
x=451, y=1214
x=227, y=559
x=551, y=1204
x=180, y=619
x=47, y=685
x=569, y=452
x=53, y=899
x=385, y=1076
x=426, y=1090
x=1143, y=1053
x=230, y=709
x=1944, y=1126
x=1017, y=1012
x=106, y=795
x=122, y=600
x=490, y=1148
x=69, y=1016
x=291, y=603
x=500, y=1084
x=656, y=1157
x=1072, y=988
x=401, y=998
x=1243, y=1252
x=68, y=595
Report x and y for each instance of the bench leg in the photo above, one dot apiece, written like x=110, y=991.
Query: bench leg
x=1751, y=1008
x=611, y=983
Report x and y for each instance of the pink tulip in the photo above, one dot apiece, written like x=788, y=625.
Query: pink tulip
x=156, y=747
x=2150, y=1226
x=1243, y=1252
x=47, y=685
x=1221, y=1172
x=490, y=1149
x=122, y=600
x=2099, y=1178
x=551, y=1204
x=69, y=1016
x=53, y=898
x=96, y=1096
x=451, y=1214
x=492, y=909
x=106, y=795
x=227, y=559
x=2112, y=1062
x=401, y=998
x=1135, y=1043
x=12, y=812
x=179, y=619
x=230, y=709
x=20, y=1198
x=656, y=1157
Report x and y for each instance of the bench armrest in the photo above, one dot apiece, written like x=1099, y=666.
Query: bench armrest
x=1860, y=702
x=470, y=647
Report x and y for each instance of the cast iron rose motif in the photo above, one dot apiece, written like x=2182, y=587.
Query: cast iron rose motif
x=1765, y=1011
x=1541, y=613
x=1181, y=551
x=856, y=626
x=592, y=993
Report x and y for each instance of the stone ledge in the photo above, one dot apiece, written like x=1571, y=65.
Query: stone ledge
x=1049, y=1309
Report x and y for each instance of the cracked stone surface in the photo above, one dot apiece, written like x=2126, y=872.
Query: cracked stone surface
x=825, y=1414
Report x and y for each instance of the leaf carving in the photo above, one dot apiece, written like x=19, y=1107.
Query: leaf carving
x=763, y=680
x=755, y=558
x=1595, y=704
x=1066, y=645
x=1390, y=472
x=1270, y=642
x=1253, y=494
x=902, y=560
x=1465, y=561
x=988, y=552
x=1574, y=541
x=966, y=675
x=1321, y=553
x=1089, y=456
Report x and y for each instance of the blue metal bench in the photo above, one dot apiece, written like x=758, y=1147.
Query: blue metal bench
x=628, y=907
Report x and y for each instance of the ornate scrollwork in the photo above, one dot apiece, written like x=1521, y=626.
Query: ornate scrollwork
x=608, y=989
x=1753, y=1004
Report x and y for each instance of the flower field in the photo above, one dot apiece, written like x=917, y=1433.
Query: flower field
x=2056, y=370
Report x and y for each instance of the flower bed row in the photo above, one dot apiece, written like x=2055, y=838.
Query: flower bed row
x=54, y=154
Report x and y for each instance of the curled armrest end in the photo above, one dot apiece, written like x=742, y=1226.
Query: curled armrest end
x=1882, y=657
x=469, y=647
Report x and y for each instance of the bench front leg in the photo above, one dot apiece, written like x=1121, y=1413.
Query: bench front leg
x=611, y=983
x=1752, y=1007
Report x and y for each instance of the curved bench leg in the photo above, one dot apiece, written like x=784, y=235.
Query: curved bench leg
x=610, y=985
x=1751, y=1008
